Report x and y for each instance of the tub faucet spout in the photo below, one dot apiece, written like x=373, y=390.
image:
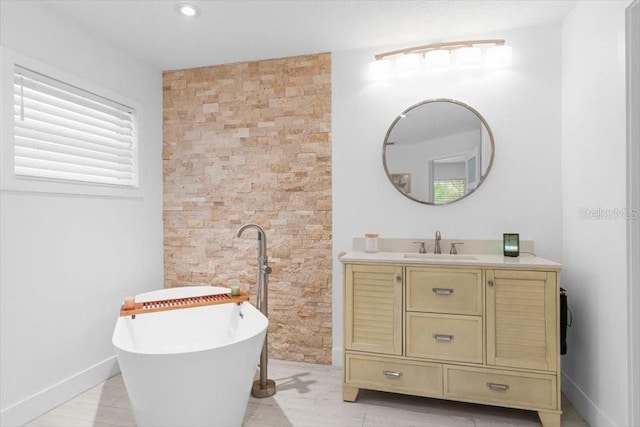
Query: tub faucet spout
x=263, y=266
x=263, y=387
x=262, y=238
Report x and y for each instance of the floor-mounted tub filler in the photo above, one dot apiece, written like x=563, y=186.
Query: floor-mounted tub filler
x=193, y=366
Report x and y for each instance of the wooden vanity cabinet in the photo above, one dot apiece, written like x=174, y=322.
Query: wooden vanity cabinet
x=522, y=319
x=373, y=308
x=444, y=314
x=473, y=334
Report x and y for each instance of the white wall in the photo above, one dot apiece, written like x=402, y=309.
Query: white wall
x=593, y=177
x=66, y=262
x=633, y=200
x=522, y=192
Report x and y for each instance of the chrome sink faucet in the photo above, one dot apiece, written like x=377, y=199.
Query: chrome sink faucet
x=437, y=250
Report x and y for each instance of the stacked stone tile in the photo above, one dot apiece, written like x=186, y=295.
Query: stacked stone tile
x=251, y=142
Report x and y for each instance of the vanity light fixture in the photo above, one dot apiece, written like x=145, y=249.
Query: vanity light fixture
x=380, y=70
x=437, y=59
x=467, y=53
x=499, y=56
x=468, y=56
x=187, y=9
x=408, y=62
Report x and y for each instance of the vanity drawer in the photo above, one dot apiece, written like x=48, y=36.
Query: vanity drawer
x=442, y=290
x=438, y=336
x=516, y=389
x=394, y=375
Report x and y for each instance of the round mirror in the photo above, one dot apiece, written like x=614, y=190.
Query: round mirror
x=438, y=151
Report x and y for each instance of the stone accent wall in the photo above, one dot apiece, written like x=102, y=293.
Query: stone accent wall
x=251, y=142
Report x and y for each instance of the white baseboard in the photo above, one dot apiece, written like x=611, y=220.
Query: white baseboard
x=336, y=357
x=584, y=405
x=47, y=399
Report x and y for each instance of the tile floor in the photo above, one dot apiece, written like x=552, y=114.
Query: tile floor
x=308, y=395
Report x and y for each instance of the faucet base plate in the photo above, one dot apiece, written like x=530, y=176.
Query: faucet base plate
x=259, y=392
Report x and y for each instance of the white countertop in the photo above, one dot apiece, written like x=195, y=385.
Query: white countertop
x=524, y=261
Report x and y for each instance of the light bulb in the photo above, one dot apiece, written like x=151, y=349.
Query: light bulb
x=408, y=62
x=468, y=56
x=380, y=69
x=499, y=56
x=187, y=9
x=437, y=59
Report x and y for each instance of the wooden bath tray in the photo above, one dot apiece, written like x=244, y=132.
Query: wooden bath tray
x=179, y=303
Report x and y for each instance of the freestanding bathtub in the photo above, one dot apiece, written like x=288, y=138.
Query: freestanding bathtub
x=192, y=366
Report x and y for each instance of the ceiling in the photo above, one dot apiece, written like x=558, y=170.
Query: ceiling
x=230, y=31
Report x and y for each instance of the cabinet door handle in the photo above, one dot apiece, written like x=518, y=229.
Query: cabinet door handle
x=497, y=387
x=392, y=374
x=442, y=291
x=443, y=337
x=490, y=283
x=398, y=278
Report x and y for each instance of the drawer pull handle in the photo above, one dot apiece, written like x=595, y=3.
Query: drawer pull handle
x=442, y=291
x=443, y=337
x=392, y=374
x=497, y=387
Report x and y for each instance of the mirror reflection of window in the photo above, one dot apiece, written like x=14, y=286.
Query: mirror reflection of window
x=448, y=179
x=447, y=190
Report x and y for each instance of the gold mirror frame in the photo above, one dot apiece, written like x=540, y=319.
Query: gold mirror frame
x=403, y=181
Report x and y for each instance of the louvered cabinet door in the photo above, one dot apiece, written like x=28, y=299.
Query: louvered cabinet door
x=373, y=308
x=522, y=319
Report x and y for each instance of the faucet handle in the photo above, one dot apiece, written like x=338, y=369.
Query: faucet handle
x=454, y=250
x=423, y=249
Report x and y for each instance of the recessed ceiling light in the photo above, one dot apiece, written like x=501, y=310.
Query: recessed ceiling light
x=187, y=9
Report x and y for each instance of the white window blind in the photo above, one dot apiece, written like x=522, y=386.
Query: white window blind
x=66, y=133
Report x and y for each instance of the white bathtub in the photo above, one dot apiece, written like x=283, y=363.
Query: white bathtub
x=193, y=366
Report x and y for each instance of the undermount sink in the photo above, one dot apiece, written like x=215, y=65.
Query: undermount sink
x=440, y=257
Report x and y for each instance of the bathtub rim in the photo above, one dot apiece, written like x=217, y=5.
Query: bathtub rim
x=263, y=326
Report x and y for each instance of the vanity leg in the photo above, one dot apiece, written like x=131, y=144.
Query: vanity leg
x=349, y=393
x=550, y=419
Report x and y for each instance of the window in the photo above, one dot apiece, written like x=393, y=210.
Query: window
x=447, y=190
x=62, y=132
